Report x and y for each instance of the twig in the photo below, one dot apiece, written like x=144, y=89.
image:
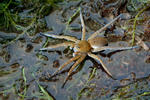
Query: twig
x=141, y=43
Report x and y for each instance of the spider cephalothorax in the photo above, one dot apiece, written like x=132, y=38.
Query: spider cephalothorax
x=83, y=47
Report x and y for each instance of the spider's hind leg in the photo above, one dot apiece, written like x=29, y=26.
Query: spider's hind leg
x=113, y=48
x=104, y=28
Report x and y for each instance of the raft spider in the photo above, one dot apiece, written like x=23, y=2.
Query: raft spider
x=83, y=47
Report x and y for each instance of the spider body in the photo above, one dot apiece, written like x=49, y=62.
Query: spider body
x=97, y=42
x=83, y=47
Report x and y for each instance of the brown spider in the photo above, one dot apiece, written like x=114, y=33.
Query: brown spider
x=83, y=47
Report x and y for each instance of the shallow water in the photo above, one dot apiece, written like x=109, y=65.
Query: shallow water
x=131, y=68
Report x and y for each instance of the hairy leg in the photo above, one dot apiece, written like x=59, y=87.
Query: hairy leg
x=61, y=37
x=97, y=58
x=83, y=26
x=71, y=44
x=103, y=28
x=66, y=63
x=73, y=67
x=113, y=48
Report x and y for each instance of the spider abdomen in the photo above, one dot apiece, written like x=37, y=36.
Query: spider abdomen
x=97, y=42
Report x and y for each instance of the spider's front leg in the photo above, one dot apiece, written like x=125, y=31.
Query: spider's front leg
x=82, y=56
x=76, y=53
x=66, y=63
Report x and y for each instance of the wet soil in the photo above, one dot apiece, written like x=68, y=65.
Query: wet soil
x=130, y=68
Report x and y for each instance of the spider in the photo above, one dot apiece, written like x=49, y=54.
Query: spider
x=83, y=47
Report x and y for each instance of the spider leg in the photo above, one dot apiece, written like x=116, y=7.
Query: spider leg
x=113, y=48
x=73, y=67
x=103, y=65
x=66, y=63
x=71, y=44
x=103, y=28
x=83, y=26
x=61, y=37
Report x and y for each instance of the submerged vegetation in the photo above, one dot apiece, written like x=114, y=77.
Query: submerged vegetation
x=136, y=5
x=8, y=15
x=11, y=11
x=24, y=16
x=139, y=89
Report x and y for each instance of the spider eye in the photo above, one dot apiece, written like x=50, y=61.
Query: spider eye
x=78, y=47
